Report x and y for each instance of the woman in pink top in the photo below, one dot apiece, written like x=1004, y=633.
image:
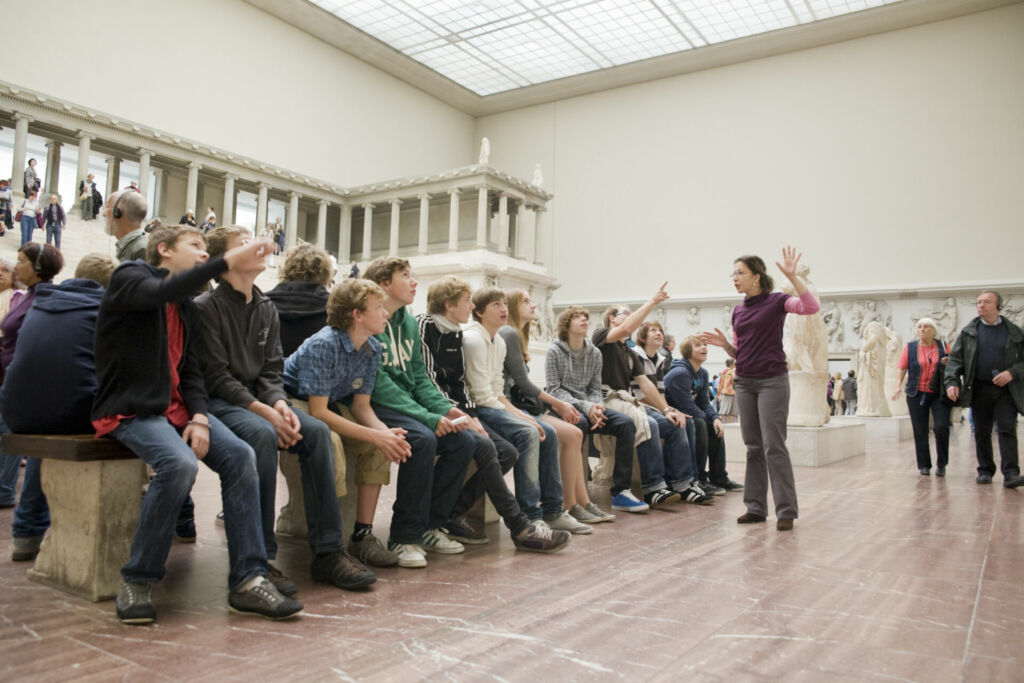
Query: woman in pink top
x=923, y=360
x=762, y=381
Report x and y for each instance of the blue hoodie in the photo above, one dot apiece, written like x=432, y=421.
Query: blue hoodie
x=686, y=390
x=50, y=385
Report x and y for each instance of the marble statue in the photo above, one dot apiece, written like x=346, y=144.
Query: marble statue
x=485, y=152
x=805, y=341
x=833, y=318
x=549, y=333
x=871, y=401
x=659, y=317
x=727, y=322
x=893, y=348
x=538, y=176
x=865, y=311
x=693, y=316
x=1013, y=310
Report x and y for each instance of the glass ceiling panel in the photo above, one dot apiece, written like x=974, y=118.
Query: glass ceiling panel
x=490, y=46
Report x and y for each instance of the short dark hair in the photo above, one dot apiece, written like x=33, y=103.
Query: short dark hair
x=757, y=267
x=482, y=298
x=169, y=235
x=998, y=296
x=46, y=260
x=383, y=269
x=851, y=373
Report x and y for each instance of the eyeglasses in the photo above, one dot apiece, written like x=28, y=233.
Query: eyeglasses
x=624, y=311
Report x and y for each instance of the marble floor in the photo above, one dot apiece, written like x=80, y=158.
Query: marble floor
x=888, y=575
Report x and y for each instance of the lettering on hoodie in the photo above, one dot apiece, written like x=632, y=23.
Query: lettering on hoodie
x=397, y=354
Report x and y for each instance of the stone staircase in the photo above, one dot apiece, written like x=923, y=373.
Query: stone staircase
x=86, y=237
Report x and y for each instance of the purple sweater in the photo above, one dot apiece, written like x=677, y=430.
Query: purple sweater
x=11, y=324
x=757, y=329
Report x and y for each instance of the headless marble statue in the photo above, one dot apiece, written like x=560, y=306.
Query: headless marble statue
x=871, y=400
x=893, y=348
x=805, y=341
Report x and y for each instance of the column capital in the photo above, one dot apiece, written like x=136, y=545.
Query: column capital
x=263, y=186
x=18, y=116
x=324, y=203
x=157, y=171
x=481, y=187
x=83, y=136
x=503, y=194
x=455, y=192
x=230, y=176
x=54, y=143
x=424, y=195
x=395, y=202
x=368, y=206
x=539, y=209
x=195, y=164
x=294, y=196
x=145, y=152
x=110, y=160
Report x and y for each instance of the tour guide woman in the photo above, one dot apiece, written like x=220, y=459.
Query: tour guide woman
x=762, y=381
x=922, y=360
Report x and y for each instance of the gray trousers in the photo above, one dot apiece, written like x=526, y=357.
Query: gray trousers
x=764, y=408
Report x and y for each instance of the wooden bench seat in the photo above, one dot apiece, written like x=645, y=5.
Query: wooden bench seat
x=94, y=490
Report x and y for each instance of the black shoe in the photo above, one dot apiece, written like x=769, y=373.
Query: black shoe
x=342, y=570
x=134, y=605
x=730, y=485
x=185, y=531
x=282, y=583
x=984, y=479
x=750, y=518
x=695, y=494
x=785, y=524
x=660, y=497
x=263, y=600
x=925, y=471
x=940, y=472
x=1013, y=482
x=463, y=531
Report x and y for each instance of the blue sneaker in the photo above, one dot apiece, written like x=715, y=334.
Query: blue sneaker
x=627, y=502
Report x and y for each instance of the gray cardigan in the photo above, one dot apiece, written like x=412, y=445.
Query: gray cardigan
x=516, y=372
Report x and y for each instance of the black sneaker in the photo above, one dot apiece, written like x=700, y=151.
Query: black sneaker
x=462, y=530
x=185, y=530
x=984, y=479
x=711, y=489
x=540, y=538
x=342, y=570
x=1013, y=482
x=263, y=600
x=282, y=583
x=134, y=604
x=694, y=494
x=730, y=485
x=660, y=497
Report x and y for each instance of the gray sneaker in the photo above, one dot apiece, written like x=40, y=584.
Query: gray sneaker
x=566, y=522
x=263, y=600
x=25, y=548
x=598, y=512
x=371, y=551
x=540, y=538
x=580, y=514
x=134, y=604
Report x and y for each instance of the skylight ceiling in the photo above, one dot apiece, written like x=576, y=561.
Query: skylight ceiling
x=491, y=46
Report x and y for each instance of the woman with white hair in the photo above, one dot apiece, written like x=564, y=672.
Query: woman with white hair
x=922, y=362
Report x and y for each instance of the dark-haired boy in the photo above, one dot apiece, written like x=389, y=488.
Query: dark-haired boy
x=242, y=365
x=152, y=399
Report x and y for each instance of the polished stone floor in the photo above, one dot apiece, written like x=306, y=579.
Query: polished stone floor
x=888, y=575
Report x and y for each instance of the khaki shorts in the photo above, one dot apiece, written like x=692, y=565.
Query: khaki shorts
x=371, y=465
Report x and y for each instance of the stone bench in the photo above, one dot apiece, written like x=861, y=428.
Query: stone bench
x=94, y=490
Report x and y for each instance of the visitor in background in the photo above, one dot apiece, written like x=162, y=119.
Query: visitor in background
x=55, y=219
x=301, y=295
x=6, y=214
x=124, y=213
x=850, y=392
x=762, y=381
x=188, y=219
x=86, y=188
x=29, y=217
x=31, y=178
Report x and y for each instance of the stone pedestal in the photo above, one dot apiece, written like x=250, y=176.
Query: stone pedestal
x=94, y=507
x=291, y=520
x=896, y=428
x=808, y=446
x=808, y=406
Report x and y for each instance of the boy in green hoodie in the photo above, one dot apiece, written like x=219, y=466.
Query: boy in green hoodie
x=404, y=396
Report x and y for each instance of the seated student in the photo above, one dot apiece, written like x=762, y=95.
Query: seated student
x=242, y=366
x=51, y=393
x=335, y=370
x=301, y=295
x=687, y=389
x=563, y=417
x=404, y=397
x=537, y=478
x=449, y=307
x=151, y=398
x=656, y=361
x=667, y=471
x=572, y=369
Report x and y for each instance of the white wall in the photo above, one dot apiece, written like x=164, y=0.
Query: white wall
x=227, y=74
x=892, y=160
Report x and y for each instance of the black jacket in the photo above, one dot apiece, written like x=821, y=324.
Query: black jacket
x=302, y=309
x=132, y=366
x=963, y=360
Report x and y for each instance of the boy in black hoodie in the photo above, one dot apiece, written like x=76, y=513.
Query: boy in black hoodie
x=151, y=398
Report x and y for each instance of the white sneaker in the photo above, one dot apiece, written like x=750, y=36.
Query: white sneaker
x=567, y=522
x=409, y=554
x=437, y=541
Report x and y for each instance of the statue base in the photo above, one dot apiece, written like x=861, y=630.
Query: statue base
x=808, y=446
x=896, y=428
x=807, y=404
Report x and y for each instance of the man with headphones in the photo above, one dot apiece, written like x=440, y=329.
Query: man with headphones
x=124, y=212
x=986, y=372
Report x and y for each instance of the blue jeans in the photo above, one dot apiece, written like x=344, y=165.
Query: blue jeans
x=536, y=474
x=32, y=516
x=709, y=451
x=9, y=465
x=426, y=492
x=160, y=445
x=622, y=428
x=316, y=461
x=53, y=231
x=678, y=467
x=28, y=226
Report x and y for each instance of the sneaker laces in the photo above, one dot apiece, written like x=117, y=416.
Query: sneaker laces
x=542, y=530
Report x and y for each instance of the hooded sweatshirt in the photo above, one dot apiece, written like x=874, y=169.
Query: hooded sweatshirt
x=302, y=308
x=485, y=365
x=402, y=383
x=52, y=393
x=687, y=390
